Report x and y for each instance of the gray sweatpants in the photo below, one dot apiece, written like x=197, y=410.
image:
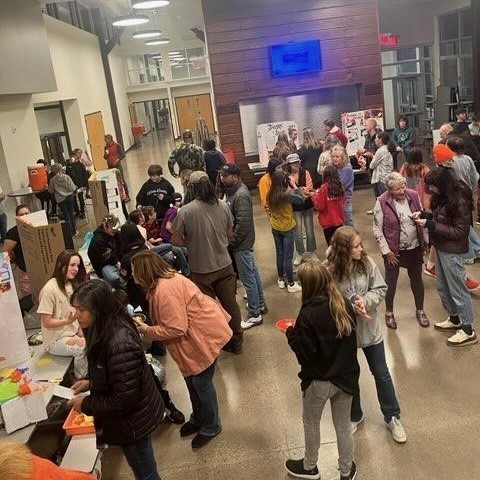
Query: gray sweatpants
x=314, y=400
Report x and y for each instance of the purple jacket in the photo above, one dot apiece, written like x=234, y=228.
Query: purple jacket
x=386, y=224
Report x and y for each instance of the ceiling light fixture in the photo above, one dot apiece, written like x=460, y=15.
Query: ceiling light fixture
x=147, y=34
x=163, y=41
x=143, y=4
x=174, y=53
x=129, y=20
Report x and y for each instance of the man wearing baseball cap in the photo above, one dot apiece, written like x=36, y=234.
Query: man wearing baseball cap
x=241, y=243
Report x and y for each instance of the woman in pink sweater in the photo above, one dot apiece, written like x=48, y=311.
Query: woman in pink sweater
x=194, y=328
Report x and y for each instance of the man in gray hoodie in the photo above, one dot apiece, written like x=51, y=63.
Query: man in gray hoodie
x=239, y=200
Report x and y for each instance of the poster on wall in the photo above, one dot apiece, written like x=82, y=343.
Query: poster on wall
x=354, y=127
x=13, y=340
x=267, y=134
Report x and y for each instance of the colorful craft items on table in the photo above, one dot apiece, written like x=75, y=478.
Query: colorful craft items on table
x=16, y=383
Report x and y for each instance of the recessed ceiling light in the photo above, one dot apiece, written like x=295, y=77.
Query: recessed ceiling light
x=149, y=3
x=163, y=41
x=128, y=20
x=174, y=53
x=147, y=34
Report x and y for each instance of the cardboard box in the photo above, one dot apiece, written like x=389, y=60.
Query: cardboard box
x=98, y=192
x=41, y=245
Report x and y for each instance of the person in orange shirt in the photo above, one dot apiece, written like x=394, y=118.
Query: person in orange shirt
x=18, y=463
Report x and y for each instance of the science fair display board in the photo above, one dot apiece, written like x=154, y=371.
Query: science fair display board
x=105, y=192
x=354, y=127
x=13, y=340
x=267, y=135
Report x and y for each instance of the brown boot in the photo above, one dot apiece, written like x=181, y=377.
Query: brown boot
x=390, y=321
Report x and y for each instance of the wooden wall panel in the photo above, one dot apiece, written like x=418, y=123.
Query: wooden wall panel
x=239, y=34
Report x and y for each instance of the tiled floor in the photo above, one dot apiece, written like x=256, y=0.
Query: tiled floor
x=260, y=399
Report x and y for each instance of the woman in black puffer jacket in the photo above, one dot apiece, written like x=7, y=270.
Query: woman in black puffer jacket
x=448, y=226
x=124, y=400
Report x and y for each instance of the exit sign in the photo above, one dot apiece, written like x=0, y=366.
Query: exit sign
x=388, y=39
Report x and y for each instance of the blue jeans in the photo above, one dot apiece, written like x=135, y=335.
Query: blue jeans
x=304, y=218
x=248, y=273
x=204, y=402
x=141, y=459
x=179, y=260
x=375, y=355
x=284, y=243
x=348, y=213
x=111, y=274
x=3, y=226
x=474, y=244
x=68, y=214
x=450, y=273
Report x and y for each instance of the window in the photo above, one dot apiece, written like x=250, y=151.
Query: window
x=455, y=42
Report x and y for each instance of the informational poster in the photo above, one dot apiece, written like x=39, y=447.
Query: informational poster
x=354, y=127
x=112, y=191
x=41, y=244
x=267, y=135
x=13, y=340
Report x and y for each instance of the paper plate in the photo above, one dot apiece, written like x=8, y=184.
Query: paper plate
x=284, y=323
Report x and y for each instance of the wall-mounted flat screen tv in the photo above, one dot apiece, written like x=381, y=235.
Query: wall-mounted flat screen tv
x=295, y=58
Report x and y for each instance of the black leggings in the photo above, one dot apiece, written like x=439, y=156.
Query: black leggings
x=411, y=260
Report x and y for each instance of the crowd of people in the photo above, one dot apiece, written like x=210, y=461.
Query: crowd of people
x=178, y=257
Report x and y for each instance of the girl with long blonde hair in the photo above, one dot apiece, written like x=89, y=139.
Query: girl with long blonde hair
x=324, y=342
x=359, y=279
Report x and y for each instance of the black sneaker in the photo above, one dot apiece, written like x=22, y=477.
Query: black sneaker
x=264, y=310
x=295, y=469
x=352, y=475
x=175, y=415
x=188, y=429
x=200, y=440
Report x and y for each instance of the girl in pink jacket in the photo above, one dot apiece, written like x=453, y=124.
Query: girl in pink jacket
x=194, y=328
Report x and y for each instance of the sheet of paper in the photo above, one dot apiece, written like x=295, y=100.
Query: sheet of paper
x=22, y=411
x=67, y=393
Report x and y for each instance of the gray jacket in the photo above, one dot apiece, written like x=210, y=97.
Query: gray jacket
x=61, y=186
x=240, y=202
x=373, y=288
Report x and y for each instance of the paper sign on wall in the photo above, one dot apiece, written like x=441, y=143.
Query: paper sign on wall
x=354, y=127
x=267, y=136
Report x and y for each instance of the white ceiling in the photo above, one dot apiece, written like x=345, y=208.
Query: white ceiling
x=175, y=21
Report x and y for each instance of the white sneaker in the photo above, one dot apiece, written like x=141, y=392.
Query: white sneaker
x=447, y=326
x=398, y=432
x=297, y=260
x=281, y=283
x=462, y=338
x=294, y=288
x=251, y=322
x=356, y=424
x=369, y=212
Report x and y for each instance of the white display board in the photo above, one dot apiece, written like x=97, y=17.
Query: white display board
x=354, y=127
x=267, y=135
x=113, y=192
x=13, y=340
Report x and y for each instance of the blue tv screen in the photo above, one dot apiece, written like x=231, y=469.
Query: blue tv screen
x=295, y=57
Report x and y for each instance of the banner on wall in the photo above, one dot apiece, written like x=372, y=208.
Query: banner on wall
x=267, y=134
x=13, y=340
x=354, y=127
